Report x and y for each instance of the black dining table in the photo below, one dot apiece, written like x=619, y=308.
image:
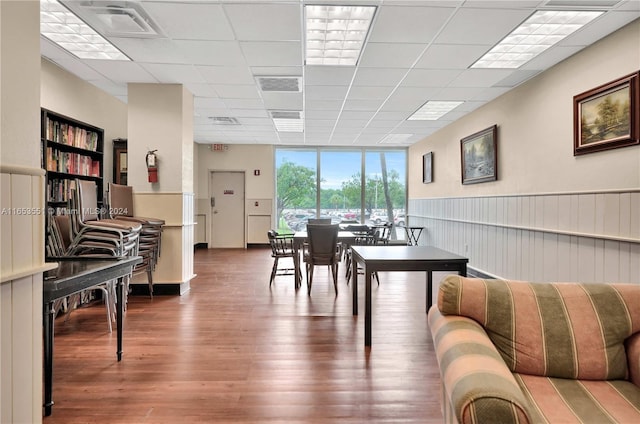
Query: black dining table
x=399, y=258
x=73, y=275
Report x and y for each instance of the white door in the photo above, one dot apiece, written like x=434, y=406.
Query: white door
x=226, y=196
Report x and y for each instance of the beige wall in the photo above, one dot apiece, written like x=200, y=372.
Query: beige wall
x=535, y=132
x=237, y=157
x=65, y=93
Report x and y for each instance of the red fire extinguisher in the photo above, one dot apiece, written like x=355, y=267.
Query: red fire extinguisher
x=152, y=166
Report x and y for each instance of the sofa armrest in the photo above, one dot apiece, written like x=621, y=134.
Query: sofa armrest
x=478, y=384
x=632, y=345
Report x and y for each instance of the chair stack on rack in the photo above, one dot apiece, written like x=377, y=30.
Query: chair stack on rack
x=281, y=248
x=120, y=199
x=323, y=249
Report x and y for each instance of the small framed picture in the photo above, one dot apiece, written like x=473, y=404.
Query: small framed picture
x=607, y=117
x=427, y=168
x=479, y=156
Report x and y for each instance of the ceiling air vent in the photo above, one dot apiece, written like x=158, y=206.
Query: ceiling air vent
x=116, y=18
x=287, y=120
x=224, y=120
x=281, y=84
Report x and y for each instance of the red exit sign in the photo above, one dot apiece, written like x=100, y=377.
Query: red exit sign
x=219, y=147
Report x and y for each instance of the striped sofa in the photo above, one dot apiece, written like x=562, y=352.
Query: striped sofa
x=520, y=352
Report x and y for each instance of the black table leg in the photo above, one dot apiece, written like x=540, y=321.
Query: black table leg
x=47, y=318
x=429, y=289
x=367, y=307
x=119, y=314
x=354, y=285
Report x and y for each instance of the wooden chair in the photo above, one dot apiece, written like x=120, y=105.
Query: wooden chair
x=281, y=248
x=365, y=236
x=322, y=249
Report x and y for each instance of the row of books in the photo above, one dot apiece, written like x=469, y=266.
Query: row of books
x=62, y=133
x=71, y=163
x=60, y=190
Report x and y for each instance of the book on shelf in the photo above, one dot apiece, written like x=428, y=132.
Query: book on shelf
x=63, y=133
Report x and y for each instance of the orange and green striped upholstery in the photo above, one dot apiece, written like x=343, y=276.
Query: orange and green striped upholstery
x=562, y=400
x=564, y=330
x=477, y=385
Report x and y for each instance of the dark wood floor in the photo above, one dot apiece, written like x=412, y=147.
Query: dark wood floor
x=231, y=350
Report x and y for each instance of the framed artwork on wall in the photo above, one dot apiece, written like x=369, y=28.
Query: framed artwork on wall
x=607, y=117
x=427, y=168
x=479, y=156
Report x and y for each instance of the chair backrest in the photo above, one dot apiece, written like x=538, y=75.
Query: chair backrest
x=323, y=242
x=120, y=200
x=63, y=222
x=87, y=204
x=323, y=221
x=383, y=233
x=364, y=234
x=281, y=245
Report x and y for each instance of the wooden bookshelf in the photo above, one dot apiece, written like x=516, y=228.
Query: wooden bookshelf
x=70, y=149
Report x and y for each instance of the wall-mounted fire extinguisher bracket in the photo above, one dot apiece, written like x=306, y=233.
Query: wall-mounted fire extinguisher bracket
x=152, y=165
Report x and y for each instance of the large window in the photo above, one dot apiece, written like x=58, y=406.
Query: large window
x=366, y=185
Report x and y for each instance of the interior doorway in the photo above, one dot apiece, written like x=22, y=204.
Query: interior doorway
x=227, y=199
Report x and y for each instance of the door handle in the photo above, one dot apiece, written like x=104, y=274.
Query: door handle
x=215, y=212
x=213, y=202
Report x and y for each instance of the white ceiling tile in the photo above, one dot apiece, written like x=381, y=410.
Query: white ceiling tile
x=369, y=93
x=550, y=57
x=430, y=77
x=370, y=105
x=457, y=93
x=255, y=113
x=121, y=72
x=276, y=70
x=265, y=22
x=390, y=55
x=226, y=74
x=78, y=68
x=379, y=76
x=408, y=98
x=600, y=28
x=172, y=73
x=452, y=56
x=516, y=78
x=481, y=26
x=403, y=24
x=223, y=53
x=201, y=90
x=244, y=103
x=208, y=103
x=326, y=92
x=191, y=21
x=272, y=53
x=357, y=114
x=228, y=91
x=321, y=113
x=151, y=50
x=323, y=105
x=282, y=101
x=314, y=124
x=328, y=75
x=480, y=77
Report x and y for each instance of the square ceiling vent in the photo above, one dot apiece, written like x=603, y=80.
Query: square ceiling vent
x=287, y=120
x=280, y=84
x=116, y=18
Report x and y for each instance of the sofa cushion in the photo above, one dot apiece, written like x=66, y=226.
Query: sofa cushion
x=565, y=330
x=559, y=400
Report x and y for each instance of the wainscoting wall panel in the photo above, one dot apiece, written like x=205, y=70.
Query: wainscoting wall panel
x=589, y=237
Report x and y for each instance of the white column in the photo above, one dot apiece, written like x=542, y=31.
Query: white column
x=160, y=117
x=21, y=219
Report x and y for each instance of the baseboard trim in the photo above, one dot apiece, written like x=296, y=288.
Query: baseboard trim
x=171, y=289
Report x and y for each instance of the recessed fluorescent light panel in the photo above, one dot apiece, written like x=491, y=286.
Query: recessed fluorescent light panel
x=540, y=31
x=69, y=32
x=434, y=110
x=335, y=34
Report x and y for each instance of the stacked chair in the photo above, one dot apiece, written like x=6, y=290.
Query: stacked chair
x=82, y=234
x=120, y=199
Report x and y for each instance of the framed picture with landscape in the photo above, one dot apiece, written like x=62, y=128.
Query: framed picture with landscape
x=427, y=168
x=607, y=117
x=479, y=156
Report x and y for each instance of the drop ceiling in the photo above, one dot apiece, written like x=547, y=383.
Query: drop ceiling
x=226, y=51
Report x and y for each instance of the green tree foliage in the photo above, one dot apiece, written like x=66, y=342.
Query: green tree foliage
x=296, y=187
